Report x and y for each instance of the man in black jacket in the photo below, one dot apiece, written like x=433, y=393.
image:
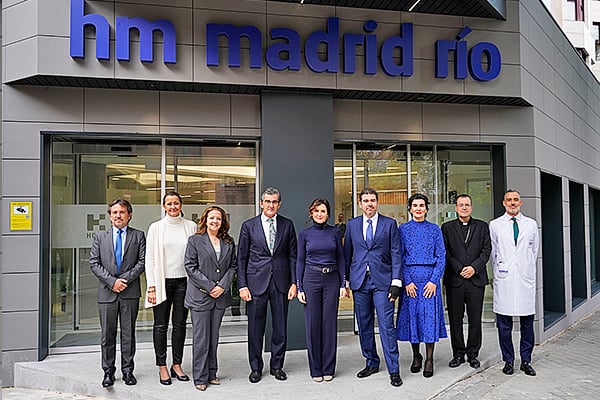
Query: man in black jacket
x=468, y=249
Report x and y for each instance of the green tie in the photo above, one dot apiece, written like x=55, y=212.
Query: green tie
x=515, y=229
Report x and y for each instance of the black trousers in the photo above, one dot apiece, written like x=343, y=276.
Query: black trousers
x=457, y=298
x=175, y=289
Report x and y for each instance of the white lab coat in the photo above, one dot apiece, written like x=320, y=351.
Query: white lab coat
x=514, y=266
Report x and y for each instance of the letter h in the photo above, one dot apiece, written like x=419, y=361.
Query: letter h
x=78, y=24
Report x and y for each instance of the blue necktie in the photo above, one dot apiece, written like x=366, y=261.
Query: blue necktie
x=369, y=235
x=119, y=250
x=515, y=229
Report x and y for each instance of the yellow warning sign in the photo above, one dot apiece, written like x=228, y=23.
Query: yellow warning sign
x=20, y=216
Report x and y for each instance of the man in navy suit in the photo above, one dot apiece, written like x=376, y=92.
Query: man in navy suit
x=374, y=269
x=267, y=274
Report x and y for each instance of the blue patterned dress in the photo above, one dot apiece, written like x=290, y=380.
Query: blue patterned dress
x=423, y=259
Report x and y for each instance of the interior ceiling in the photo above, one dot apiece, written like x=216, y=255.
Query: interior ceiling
x=467, y=8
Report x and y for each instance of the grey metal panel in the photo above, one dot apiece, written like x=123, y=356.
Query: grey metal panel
x=297, y=158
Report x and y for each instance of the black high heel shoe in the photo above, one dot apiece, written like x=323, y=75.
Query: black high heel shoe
x=182, y=378
x=416, y=364
x=167, y=381
x=428, y=369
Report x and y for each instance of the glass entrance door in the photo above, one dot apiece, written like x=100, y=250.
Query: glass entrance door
x=398, y=170
x=87, y=174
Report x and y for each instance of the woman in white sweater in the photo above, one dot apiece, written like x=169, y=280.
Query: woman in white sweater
x=167, y=282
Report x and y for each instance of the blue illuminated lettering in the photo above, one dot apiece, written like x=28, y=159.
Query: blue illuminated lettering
x=392, y=55
x=233, y=35
x=467, y=60
x=146, y=29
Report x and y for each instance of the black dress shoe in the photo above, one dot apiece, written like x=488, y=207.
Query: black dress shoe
x=255, y=376
x=279, y=374
x=367, y=371
x=129, y=379
x=428, y=369
x=508, y=368
x=162, y=381
x=182, y=378
x=474, y=363
x=527, y=368
x=395, y=380
x=416, y=363
x=109, y=379
x=456, y=361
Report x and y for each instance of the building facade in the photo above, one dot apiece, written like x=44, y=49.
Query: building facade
x=220, y=98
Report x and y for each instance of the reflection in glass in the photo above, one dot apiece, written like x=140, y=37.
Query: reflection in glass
x=87, y=174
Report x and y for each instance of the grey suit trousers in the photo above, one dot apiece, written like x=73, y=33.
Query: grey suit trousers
x=205, y=326
x=125, y=311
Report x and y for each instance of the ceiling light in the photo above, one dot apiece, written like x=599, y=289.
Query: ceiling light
x=414, y=5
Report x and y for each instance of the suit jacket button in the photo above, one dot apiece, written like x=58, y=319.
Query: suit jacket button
x=218, y=270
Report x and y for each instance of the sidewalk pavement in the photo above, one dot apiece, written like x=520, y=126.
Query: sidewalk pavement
x=59, y=376
x=567, y=367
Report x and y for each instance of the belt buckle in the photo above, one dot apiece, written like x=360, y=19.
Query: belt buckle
x=325, y=270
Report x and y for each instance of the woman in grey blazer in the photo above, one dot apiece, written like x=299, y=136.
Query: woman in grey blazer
x=210, y=262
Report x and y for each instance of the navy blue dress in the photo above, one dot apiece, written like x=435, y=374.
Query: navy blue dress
x=423, y=259
x=320, y=273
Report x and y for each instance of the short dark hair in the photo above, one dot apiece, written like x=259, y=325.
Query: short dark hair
x=121, y=202
x=463, y=196
x=172, y=193
x=318, y=202
x=512, y=191
x=418, y=196
x=270, y=191
x=368, y=190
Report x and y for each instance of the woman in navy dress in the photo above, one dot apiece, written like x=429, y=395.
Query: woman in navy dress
x=321, y=282
x=421, y=316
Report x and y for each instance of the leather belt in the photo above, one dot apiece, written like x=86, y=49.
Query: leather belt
x=323, y=268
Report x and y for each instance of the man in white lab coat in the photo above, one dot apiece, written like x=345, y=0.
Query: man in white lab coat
x=514, y=253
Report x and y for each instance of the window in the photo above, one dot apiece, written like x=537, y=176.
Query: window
x=573, y=10
x=596, y=35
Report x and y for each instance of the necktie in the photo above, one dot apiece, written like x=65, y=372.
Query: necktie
x=515, y=229
x=369, y=235
x=271, y=234
x=119, y=250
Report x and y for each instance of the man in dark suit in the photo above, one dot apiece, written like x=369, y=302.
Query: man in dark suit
x=468, y=249
x=117, y=259
x=267, y=274
x=374, y=269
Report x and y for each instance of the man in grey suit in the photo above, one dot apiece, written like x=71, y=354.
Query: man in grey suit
x=117, y=259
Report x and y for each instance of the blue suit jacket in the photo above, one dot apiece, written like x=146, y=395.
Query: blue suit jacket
x=255, y=262
x=383, y=256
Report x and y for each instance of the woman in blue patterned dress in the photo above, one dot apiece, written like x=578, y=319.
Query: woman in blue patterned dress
x=421, y=315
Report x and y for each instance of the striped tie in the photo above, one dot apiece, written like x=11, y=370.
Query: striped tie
x=271, y=235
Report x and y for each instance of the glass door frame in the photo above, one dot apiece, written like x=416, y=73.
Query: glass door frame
x=46, y=163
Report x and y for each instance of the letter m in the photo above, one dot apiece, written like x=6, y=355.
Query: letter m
x=233, y=35
x=146, y=30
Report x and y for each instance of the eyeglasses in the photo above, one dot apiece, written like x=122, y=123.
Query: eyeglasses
x=274, y=202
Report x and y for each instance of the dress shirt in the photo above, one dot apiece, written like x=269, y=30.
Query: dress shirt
x=373, y=219
x=123, y=236
x=265, y=225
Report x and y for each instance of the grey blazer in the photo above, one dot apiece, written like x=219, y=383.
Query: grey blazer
x=205, y=272
x=103, y=265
